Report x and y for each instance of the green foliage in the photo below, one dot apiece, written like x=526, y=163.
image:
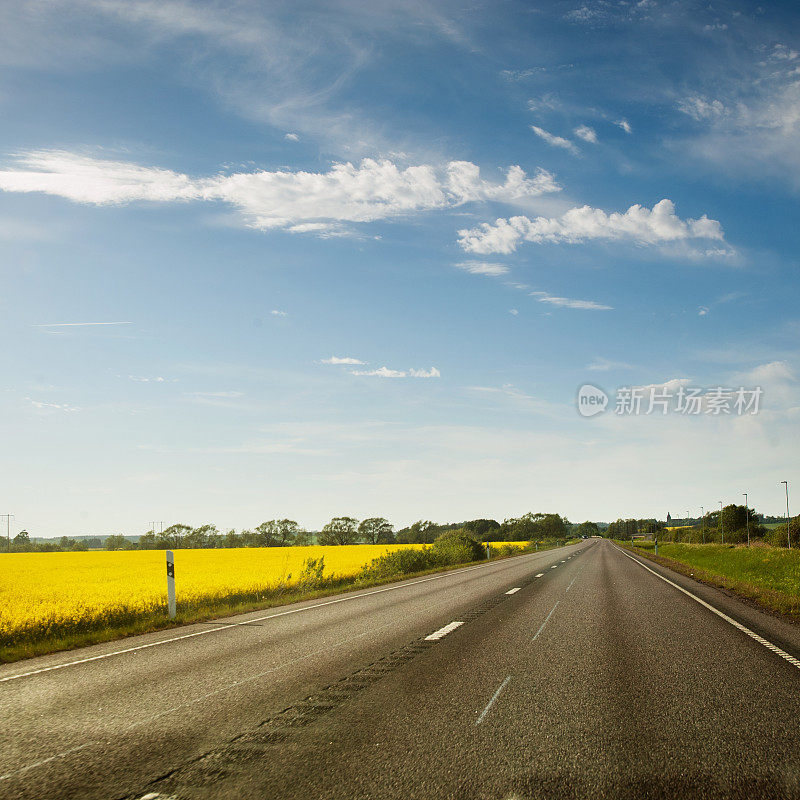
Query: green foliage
x=118, y=542
x=311, y=575
x=399, y=562
x=340, y=530
x=376, y=530
x=587, y=529
x=532, y=527
x=420, y=532
x=456, y=547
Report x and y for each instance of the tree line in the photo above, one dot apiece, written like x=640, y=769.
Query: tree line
x=339, y=531
x=729, y=525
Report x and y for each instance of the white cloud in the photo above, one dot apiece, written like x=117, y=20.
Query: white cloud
x=773, y=372
x=342, y=360
x=586, y=133
x=638, y=224
x=568, y=302
x=292, y=137
x=702, y=311
x=277, y=313
x=77, y=324
x=553, y=140
x=700, y=108
x=482, y=268
x=156, y=379
x=600, y=364
x=513, y=312
x=51, y=406
x=385, y=372
x=218, y=395
x=625, y=125
x=298, y=201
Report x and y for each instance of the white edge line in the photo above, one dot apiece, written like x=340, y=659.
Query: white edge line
x=752, y=634
x=492, y=701
x=442, y=632
x=235, y=624
x=546, y=620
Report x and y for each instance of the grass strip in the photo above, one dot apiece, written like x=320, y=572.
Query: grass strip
x=767, y=576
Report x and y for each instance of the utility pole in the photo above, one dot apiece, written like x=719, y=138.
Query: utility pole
x=747, y=517
x=689, y=534
x=703, y=515
x=8, y=517
x=788, y=538
x=721, y=523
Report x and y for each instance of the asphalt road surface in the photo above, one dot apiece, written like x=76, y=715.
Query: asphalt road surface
x=578, y=673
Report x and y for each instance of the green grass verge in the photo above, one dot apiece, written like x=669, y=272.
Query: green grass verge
x=222, y=607
x=770, y=576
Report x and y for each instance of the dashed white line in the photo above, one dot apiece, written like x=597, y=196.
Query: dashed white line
x=554, y=566
x=243, y=623
x=540, y=575
x=547, y=619
x=492, y=701
x=752, y=634
x=514, y=590
x=442, y=632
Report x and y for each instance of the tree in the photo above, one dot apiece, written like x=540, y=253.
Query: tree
x=303, y=538
x=588, y=529
x=376, y=530
x=204, y=536
x=421, y=532
x=173, y=536
x=147, y=541
x=483, y=529
x=287, y=532
x=118, y=542
x=22, y=542
x=340, y=530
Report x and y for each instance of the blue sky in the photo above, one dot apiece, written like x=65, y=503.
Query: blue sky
x=357, y=258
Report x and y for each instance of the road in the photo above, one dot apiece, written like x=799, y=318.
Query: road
x=577, y=672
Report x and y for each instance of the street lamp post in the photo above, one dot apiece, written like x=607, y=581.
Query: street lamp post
x=703, y=516
x=721, y=523
x=747, y=517
x=689, y=534
x=788, y=538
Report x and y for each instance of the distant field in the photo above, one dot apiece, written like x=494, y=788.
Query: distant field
x=66, y=599
x=768, y=575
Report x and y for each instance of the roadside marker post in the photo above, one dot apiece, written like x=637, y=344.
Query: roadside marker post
x=171, y=583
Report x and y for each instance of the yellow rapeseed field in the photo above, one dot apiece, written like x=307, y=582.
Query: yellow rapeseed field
x=51, y=596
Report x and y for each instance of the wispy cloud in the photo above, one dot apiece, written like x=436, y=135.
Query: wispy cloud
x=153, y=379
x=342, y=360
x=553, y=140
x=302, y=202
x=292, y=137
x=39, y=404
x=600, y=364
x=638, y=224
x=385, y=372
x=586, y=133
x=625, y=125
x=76, y=324
x=569, y=302
x=483, y=267
x=277, y=313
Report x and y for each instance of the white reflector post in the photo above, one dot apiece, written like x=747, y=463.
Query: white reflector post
x=171, y=583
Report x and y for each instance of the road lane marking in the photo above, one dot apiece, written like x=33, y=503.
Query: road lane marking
x=554, y=566
x=228, y=626
x=494, y=698
x=442, y=632
x=514, y=590
x=752, y=634
x=571, y=582
x=196, y=700
x=563, y=560
x=547, y=619
x=540, y=575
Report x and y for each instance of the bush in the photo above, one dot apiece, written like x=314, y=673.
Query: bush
x=400, y=562
x=456, y=547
